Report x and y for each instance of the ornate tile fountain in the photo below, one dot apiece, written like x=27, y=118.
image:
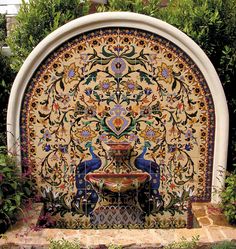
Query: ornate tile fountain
x=117, y=127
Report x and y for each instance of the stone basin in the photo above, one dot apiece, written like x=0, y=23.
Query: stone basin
x=117, y=183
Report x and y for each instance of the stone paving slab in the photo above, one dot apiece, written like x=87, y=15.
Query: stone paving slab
x=21, y=235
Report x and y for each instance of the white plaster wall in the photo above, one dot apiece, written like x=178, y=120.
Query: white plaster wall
x=126, y=19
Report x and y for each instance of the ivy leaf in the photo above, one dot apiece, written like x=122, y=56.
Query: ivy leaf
x=43, y=115
x=97, y=127
x=86, y=123
x=27, y=191
x=172, y=211
x=17, y=199
x=176, y=73
x=139, y=87
x=149, y=122
x=100, y=62
x=63, y=212
x=62, y=85
x=14, y=185
x=156, y=148
x=144, y=76
x=192, y=115
x=184, y=122
x=103, y=61
x=97, y=87
x=105, y=53
x=142, y=55
x=138, y=97
x=131, y=61
x=136, y=62
x=80, y=148
x=97, y=96
x=131, y=53
x=91, y=77
x=174, y=85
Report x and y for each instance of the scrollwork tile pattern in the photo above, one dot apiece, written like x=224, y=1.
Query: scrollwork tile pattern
x=119, y=85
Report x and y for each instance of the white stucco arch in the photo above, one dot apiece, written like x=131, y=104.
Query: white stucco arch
x=132, y=20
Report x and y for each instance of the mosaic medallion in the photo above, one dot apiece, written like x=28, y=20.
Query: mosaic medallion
x=117, y=131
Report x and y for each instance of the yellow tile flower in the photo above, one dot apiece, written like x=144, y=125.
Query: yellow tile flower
x=150, y=134
x=85, y=134
x=166, y=73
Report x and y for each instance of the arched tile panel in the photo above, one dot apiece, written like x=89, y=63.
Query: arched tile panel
x=142, y=85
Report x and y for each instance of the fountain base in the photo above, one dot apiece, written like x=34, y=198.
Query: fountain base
x=120, y=216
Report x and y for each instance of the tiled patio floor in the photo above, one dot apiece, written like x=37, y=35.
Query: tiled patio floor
x=213, y=228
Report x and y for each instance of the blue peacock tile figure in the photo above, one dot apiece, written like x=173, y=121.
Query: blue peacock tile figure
x=86, y=197
x=149, y=197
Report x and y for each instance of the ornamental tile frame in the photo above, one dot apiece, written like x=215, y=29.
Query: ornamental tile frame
x=122, y=121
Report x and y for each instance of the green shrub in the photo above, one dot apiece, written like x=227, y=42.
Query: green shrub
x=229, y=198
x=225, y=245
x=6, y=79
x=111, y=246
x=184, y=243
x=38, y=19
x=2, y=29
x=138, y=6
x=75, y=244
x=15, y=188
x=64, y=244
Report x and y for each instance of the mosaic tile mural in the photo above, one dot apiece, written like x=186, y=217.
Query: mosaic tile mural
x=117, y=131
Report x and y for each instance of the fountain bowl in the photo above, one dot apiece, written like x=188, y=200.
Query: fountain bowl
x=117, y=183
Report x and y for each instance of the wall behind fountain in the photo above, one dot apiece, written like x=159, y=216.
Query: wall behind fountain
x=119, y=85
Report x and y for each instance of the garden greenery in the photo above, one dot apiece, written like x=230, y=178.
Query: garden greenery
x=224, y=245
x=15, y=189
x=184, y=243
x=6, y=79
x=229, y=199
x=75, y=244
x=38, y=19
x=2, y=29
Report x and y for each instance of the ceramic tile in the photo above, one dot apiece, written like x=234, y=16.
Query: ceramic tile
x=119, y=86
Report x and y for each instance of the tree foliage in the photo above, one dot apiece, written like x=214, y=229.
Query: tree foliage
x=6, y=79
x=38, y=19
x=229, y=198
x=15, y=188
x=2, y=30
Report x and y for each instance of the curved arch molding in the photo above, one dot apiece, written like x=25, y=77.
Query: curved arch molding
x=129, y=79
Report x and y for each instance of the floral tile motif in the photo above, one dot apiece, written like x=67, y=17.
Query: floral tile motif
x=119, y=86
